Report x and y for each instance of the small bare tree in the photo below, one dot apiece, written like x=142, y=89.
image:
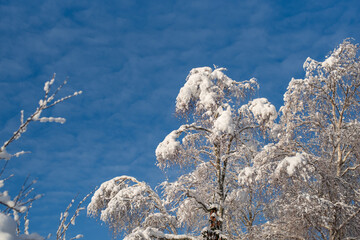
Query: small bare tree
x=22, y=202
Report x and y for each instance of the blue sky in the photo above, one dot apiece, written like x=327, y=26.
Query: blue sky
x=130, y=58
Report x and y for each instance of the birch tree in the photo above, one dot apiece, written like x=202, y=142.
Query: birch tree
x=220, y=138
x=315, y=163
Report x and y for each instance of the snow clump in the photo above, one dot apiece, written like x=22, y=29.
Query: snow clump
x=290, y=164
x=197, y=88
x=170, y=147
x=246, y=176
x=332, y=59
x=8, y=230
x=263, y=111
x=224, y=123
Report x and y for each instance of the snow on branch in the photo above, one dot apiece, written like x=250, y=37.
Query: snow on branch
x=247, y=176
x=263, y=111
x=168, y=151
x=197, y=88
x=124, y=202
x=201, y=203
x=205, y=89
x=47, y=102
x=292, y=164
x=18, y=204
x=64, y=224
x=6, y=156
x=161, y=221
x=224, y=124
x=152, y=233
x=169, y=148
x=106, y=192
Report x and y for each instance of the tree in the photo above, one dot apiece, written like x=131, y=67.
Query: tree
x=248, y=176
x=10, y=228
x=315, y=163
x=218, y=142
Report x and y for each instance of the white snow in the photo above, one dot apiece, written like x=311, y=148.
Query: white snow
x=332, y=59
x=197, y=87
x=205, y=90
x=78, y=236
x=246, y=175
x=53, y=119
x=37, y=115
x=5, y=199
x=150, y=233
x=289, y=164
x=224, y=123
x=19, y=153
x=4, y=154
x=48, y=84
x=214, y=205
x=263, y=110
x=77, y=93
x=329, y=62
x=104, y=193
x=168, y=147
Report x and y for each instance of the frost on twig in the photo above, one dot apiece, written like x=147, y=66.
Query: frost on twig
x=20, y=203
x=6, y=156
x=47, y=102
x=65, y=221
x=18, y=206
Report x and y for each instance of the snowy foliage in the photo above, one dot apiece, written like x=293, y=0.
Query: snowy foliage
x=289, y=164
x=206, y=90
x=224, y=123
x=125, y=203
x=263, y=110
x=212, y=149
x=315, y=163
x=256, y=176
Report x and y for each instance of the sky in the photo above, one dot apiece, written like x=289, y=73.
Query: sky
x=130, y=58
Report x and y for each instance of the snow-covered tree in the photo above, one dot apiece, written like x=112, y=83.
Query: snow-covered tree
x=244, y=176
x=218, y=142
x=315, y=164
x=14, y=228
